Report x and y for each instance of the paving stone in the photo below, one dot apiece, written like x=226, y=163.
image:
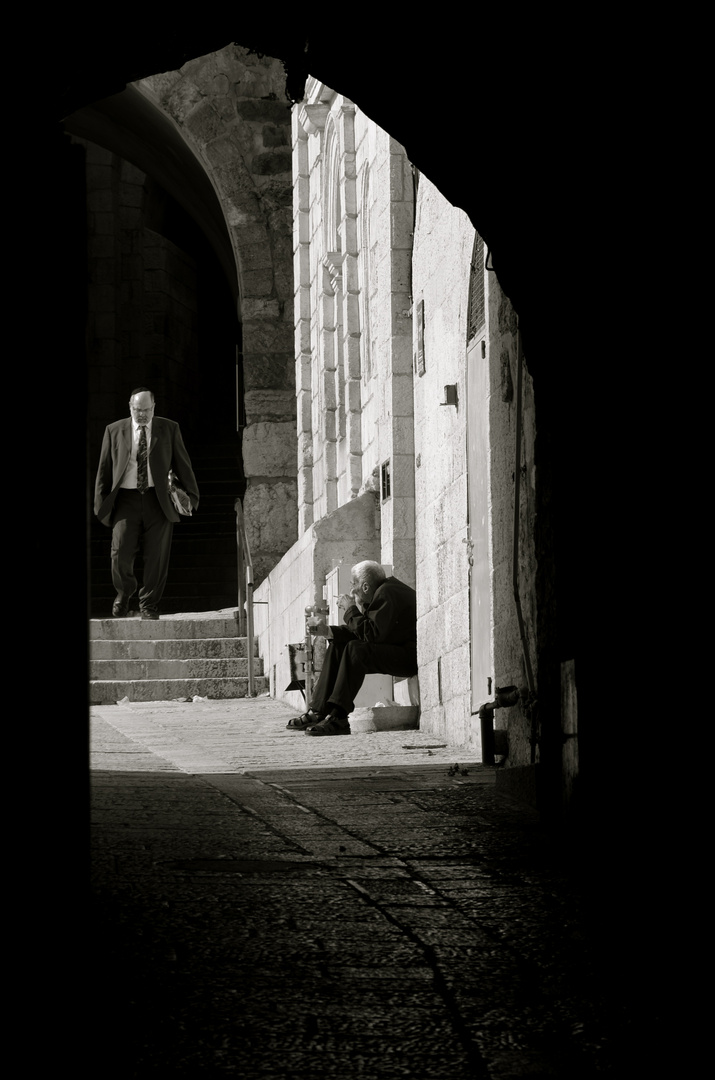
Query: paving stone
x=330, y=917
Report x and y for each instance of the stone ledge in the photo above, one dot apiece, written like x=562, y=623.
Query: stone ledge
x=112, y=691
x=194, y=625
x=185, y=667
x=385, y=718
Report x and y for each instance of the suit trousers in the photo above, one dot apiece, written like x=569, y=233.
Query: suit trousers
x=347, y=663
x=139, y=521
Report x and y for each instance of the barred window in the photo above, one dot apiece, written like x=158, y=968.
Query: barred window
x=477, y=314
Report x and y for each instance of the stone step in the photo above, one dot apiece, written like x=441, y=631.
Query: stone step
x=106, y=692
x=186, y=668
x=173, y=658
x=169, y=648
x=172, y=603
x=196, y=600
x=190, y=625
x=385, y=718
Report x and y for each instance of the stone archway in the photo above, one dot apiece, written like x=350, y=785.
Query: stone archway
x=579, y=118
x=232, y=110
x=224, y=123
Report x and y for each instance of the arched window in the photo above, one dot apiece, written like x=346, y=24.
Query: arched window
x=365, y=265
x=332, y=197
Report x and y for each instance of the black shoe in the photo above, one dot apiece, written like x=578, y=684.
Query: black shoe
x=120, y=609
x=150, y=614
x=332, y=725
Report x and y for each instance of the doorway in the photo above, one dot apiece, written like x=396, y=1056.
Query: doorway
x=478, y=473
x=480, y=591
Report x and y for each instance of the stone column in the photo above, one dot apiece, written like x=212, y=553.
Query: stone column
x=302, y=311
x=350, y=297
x=329, y=398
x=396, y=423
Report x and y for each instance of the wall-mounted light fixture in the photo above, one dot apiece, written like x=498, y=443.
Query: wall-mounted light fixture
x=450, y=395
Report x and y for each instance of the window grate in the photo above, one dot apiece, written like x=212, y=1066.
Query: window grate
x=385, y=480
x=477, y=312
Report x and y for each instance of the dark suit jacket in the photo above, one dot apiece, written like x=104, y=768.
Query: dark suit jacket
x=389, y=619
x=167, y=451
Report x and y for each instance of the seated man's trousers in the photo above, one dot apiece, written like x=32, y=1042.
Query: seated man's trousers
x=347, y=663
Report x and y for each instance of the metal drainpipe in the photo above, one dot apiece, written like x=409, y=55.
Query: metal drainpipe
x=515, y=557
x=245, y=563
x=249, y=629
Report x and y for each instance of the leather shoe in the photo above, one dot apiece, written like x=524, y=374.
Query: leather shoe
x=120, y=610
x=331, y=725
x=150, y=614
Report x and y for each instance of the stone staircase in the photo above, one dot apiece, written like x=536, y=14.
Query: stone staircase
x=173, y=658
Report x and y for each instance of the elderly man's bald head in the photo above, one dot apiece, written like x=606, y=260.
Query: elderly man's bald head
x=367, y=576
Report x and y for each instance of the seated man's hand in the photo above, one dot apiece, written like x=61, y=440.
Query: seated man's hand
x=345, y=600
x=358, y=598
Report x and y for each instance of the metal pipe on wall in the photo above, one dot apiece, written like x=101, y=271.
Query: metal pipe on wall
x=517, y=493
x=515, y=553
x=245, y=598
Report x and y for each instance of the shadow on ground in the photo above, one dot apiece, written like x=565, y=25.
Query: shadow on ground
x=377, y=923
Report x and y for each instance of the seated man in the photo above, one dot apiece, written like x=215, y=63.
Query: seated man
x=379, y=636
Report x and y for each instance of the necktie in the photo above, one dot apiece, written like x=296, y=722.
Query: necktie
x=142, y=469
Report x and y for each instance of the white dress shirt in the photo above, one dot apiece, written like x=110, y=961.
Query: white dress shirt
x=129, y=480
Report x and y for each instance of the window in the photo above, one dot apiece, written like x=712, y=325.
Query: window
x=385, y=480
x=477, y=312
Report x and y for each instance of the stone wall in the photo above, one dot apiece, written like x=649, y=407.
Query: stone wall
x=379, y=286
x=353, y=207
x=444, y=239
x=440, y=272
x=348, y=535
x=510, y=667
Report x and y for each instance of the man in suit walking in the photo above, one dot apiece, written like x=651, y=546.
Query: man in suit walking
x=132, y=497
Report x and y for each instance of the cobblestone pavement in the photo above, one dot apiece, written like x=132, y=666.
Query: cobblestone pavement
x=268, y=906
x=242, y=734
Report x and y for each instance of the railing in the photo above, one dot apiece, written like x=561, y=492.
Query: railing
x=245, y=592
